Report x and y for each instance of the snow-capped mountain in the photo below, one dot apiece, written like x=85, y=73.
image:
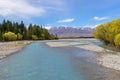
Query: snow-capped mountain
x=71, y=32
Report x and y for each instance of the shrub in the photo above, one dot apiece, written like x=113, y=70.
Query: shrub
x=9, y=36
x=117, y=40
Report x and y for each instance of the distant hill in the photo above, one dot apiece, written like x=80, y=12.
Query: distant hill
x=71, y=32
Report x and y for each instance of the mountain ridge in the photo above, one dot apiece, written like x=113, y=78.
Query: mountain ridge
x=63, y=31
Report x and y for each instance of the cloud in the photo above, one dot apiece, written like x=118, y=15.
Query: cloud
x=48, y=27
x=28, y=8
x=51, y=3
x=90, y=26
x=100, y=18
x=66, y=20
x=87, y=26
x=21, y=8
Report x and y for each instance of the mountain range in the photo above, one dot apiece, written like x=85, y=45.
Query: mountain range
x=63, y=31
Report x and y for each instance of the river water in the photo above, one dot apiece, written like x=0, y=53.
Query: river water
x=38, y=61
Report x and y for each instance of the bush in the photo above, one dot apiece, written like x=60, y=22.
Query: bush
x=19, y=36
x=34, y=37
x=117, y=40
x=9, y=36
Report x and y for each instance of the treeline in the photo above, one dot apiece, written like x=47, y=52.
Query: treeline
x=109, y=33
x=10, y=31
x=71, y=37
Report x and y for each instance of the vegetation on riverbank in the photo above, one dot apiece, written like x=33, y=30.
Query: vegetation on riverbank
x=10, y=31
x=73, y=37
x=109, y=33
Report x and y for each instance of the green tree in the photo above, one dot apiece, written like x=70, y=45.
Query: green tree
x=19, y=36
x=15, y=27
x=22, y=29
x=23, y=33
x=34, y=37
x=29, y=32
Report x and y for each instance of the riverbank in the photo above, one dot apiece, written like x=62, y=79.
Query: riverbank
x=104, y=57
x=9, y=48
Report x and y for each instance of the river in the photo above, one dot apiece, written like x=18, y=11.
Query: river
x=38, y=61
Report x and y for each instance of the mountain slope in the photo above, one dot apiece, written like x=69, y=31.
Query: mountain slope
x=71, y=32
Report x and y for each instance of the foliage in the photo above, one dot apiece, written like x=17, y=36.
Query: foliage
x=24, y=33
x=117, y=40
x=53, y=37
x=19, y=36
x=9, y=36
x=34, y=37
x=109, y=33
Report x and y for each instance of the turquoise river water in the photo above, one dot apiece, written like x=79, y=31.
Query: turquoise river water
x=38, y=61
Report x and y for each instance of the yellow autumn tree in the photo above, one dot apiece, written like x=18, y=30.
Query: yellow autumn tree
x=108, y=32
x=117, y=40
x=100, y=33
x=9, y=36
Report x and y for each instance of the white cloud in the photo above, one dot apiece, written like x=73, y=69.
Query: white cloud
x=91, y=26
x=28, y=8
x=86, y=26
x=100, y=18
x=51, y=2
x=48, y=27
x=20, y=8
x=66, y=20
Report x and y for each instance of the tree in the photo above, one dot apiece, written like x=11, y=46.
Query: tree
x=15, y=28
x=9, y=36
x=109, y=33
x=29, y=32
x=100, y=33
x=117, y=40
x=19, y=36
x=19, y=29
x=34, y=37
x=22, y=29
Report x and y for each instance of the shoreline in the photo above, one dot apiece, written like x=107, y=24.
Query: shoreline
x=104, y=57
x=9, y=48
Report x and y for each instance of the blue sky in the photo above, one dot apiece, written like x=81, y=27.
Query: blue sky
x=72, y=13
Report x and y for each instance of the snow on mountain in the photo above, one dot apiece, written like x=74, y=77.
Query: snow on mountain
x=48, y=27
x=70, y=31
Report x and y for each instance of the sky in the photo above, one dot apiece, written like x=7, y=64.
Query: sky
x=71, y=13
